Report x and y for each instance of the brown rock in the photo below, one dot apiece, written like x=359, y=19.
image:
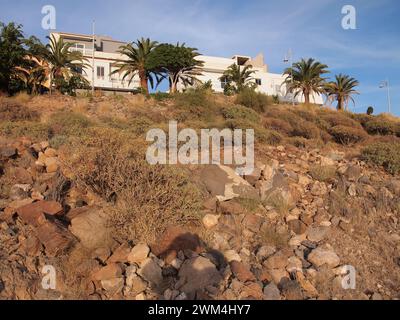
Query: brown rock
x=173, y=240
x=120, y=254
x=138, y=254
x=241, y=271
x=89, y=226
x=277, y=261
x=110, y=271
x=252, y=222
x=252, y=290
x=55, y=238
x=196, y=274
x=34, y=213
x=7, y=152
x=297, y=226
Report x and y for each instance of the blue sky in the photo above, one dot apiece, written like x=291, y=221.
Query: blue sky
x=312, y=28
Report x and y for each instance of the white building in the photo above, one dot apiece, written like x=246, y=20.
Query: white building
x=268, y=83
x=106, y=57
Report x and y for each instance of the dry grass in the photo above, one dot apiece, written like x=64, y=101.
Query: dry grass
x=146, y=198
x=322, y=173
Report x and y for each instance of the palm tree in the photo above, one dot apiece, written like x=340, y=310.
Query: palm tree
x=305, y=77
x=34, y=74
x=62, y=62
x=342, y=90
x=240, y=77
x=137, y=54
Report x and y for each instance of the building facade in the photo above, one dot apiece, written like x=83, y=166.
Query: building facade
x=103, y=60
x=105, y=56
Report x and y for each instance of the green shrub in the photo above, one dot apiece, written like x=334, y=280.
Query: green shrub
x=69, y=123
x=250, y=98
x=31, y=129
x=383, y=154
x=58, y=140
x=362, y=118
x=339, y=118
x=193, y=97
x=161, y=96
x=240, y=113
x=381, y=126
x=347, y=135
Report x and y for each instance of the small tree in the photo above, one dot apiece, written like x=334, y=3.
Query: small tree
x=342, y=90
x=305, y=77
x=237, y=78
x=137, y=53
x=370, y=110
x=12, y=53
x=177, y=62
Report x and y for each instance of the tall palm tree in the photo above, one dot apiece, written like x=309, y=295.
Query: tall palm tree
x=240, y=77
x=63, y=63
x=342, y=90
x=137, y=54
x=305, y=77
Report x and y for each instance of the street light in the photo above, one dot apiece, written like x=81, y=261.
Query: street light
x=385, y=84
x=289, y=59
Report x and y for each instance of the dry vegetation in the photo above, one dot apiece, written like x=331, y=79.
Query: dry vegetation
x=102, y=139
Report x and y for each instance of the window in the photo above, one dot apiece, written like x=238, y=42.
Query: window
x=78, y=47
x=224, y=82
x=100, y=72
x=258, y=82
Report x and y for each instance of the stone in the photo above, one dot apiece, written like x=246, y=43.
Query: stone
x=251, y=290
x=137, y=285
x=277, y=261
x=232, y=255
x=52, y=164
x=34, y=213
x=317, y=234
x=19, y=191
x=50, y=152
x=254, y=176
x=271, y=292
x=294, y=265
x=114, y=286
x=320, y=256
x=89, y=226
x=173, y=240
x=241, y=271
x=55, y=238
x=231, y=208
x=353, y=173
x=352, y=190
x=264, y=252
x=210, y=220
x=120, y=254
x=151, y=271
x=319, y=189
x=21, y=176
x=110, y=271
x=7, y=152
x=225, y=184
x=297, y=226
x=197, y=274
x=291, y=289
x=138, y=254
x=252, y=222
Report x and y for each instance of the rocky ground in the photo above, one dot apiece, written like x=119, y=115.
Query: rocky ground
x=285, y=232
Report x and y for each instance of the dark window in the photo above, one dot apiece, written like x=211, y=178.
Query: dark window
x=224, y=82
x=100, y=72
x=258, y=82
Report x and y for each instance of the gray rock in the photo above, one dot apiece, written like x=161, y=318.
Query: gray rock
x=271, y=292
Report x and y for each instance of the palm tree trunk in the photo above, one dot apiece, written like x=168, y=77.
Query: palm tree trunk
x=339, y=104
x=143, y=81
x=306, y=97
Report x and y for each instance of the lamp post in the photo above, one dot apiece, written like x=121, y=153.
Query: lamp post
x=289, y=59
x=94, y=48
x=386, y=84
